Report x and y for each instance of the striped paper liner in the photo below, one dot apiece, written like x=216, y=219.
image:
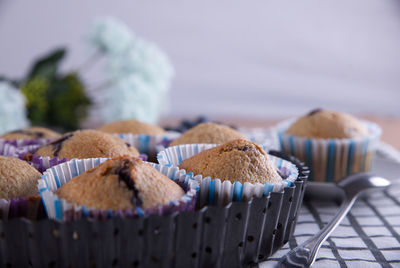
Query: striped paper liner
x=22, y=142
x=11, y=149
x=7, y=149
x=213, y=191
x=147, y=144
x=261, y=136
x=17, y=148
x=331, y=159
x=54, y=177
x=41, y=163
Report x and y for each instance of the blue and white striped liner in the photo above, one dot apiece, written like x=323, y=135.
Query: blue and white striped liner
x=147, y=144
x=331, y=159
x=56, y=176
x=262, y=136
x=217, y=192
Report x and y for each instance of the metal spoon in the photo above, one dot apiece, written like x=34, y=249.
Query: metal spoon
x=304, y=254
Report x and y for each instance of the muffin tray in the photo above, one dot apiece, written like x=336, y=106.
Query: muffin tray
x=231, y=236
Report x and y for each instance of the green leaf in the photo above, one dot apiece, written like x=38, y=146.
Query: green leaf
x=35, y=91
x=68, y=102
x=47, y=66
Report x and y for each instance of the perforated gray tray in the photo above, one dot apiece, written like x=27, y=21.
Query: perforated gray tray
x=231, y=236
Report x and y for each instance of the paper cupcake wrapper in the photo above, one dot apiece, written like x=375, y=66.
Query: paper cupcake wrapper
x=42, y=163
x=213, y=191
x=31, y=208
x=8, y=149
x=18, y=148
x=331, y=159
x=19, y=152
x=263, y=136
x=148, y=144
x=22, y=142
x=60, y=209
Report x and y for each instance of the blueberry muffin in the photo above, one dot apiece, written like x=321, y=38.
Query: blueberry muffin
x=17, y=178
x=87, y=144
x=211, y=133
x=132, y=126
x=31, y=133
x=327, y=124
x=238, y=160
x=332, y=144
x=121, y=183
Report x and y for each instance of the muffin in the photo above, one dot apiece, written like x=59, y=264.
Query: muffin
x=86, y=144
x=210, y=133
x=239, y=160
x=121, y=183
x=31, y=133
x=235, y=171
x=132, y=126
x=332, y=144
x=327, y=124
x=17, y=178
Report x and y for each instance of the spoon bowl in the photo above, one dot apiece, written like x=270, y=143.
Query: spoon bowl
x=352, y=186
x=358, y=183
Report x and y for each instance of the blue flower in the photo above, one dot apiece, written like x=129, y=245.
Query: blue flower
x=111, y=36
x=146, y=60
x=12, y=108
x=139, y=73
x=131, y=97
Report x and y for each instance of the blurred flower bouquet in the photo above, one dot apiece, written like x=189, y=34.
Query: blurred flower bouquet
x=137, y=80
x=51, y=97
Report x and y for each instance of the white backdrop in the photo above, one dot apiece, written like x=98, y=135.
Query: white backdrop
x=235, y=58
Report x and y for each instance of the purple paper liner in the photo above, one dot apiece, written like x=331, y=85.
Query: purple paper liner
x=19, y=148
x=22, y=142
x=22, y=207
x=144, y=157
x=18, y=207
x=42, y=163
x=22, y=151
x=7, y=149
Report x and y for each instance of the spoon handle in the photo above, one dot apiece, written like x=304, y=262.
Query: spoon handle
x=304, y=254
